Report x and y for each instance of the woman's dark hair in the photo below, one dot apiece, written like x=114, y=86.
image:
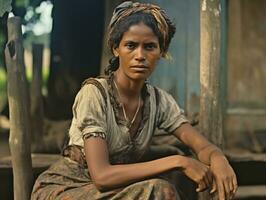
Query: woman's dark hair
x=115, y=36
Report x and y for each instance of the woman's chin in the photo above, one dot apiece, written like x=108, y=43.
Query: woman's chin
x=139, y=76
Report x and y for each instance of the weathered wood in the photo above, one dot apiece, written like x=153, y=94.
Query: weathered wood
x=40, y=162
x=210, y=71
x=211, y=121
x=36, y=98
x=18, y=99
x=246, y=111
x=251, y=192
x=246, y=49
x=246, y=96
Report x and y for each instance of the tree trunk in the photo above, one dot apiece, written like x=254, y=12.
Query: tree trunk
x=36, y=98
x=210, y=74
x=18, y=99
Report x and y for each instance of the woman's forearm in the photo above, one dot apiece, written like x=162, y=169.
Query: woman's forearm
x=197, y=142
x=113, y=176
x=207, y=152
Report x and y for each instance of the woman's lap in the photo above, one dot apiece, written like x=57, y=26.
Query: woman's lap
x=65, y=180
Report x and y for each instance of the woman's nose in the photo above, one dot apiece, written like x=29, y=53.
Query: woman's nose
x=140, y=54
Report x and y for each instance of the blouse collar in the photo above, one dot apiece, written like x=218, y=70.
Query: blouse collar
x=117, y=105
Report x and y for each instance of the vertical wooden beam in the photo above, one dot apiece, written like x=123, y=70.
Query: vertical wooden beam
x=18, y=98
x=211, y=118
x=36, y=98
x=210, y=71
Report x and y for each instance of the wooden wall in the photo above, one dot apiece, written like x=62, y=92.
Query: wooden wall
x=246, y=93
x=180, y=75
x=243, y=50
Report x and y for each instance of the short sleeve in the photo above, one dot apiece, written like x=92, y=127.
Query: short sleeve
x=89, y=112
x=170, y=115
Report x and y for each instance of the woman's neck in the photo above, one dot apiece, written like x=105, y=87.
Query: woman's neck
x=128, y=88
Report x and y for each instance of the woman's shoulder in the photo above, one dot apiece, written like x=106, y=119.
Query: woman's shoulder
x=96, y=81
x=94, y=88
x=156, y=90
x=161, y=96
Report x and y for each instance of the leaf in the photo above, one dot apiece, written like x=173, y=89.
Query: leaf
x=5, y=6
x=22, y=3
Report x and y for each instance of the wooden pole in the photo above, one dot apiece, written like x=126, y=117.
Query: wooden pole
x=18, y=98
x=36, y=98
x=210, y=71
x=210, y=118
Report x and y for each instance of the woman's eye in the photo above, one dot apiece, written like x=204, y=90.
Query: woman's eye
x=130, y=46
x=150, y=46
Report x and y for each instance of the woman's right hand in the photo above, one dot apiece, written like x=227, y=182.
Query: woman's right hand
x=198, y=172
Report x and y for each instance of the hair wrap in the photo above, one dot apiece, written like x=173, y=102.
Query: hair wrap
x=127, y=8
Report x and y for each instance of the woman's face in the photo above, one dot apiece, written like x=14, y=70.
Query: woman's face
x=138, y=52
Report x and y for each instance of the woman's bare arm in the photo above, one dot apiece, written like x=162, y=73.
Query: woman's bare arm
x=106, y=176
x=225, y=178
x=197, y=142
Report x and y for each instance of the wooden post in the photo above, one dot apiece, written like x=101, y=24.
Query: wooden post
x=210, y=71
x=210, y=118
x=18, y=98
x=36, y=98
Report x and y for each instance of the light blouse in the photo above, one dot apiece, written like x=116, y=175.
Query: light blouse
x=95, y=114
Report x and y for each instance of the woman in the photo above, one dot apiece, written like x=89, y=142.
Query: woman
x=114, y=119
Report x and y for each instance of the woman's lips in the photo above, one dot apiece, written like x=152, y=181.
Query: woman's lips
x=139, y=68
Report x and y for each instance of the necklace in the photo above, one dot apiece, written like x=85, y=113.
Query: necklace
x=130, y=123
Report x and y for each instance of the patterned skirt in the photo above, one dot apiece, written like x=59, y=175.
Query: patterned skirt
x=68, y=179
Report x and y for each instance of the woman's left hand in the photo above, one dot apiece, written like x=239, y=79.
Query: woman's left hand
x=225, y=179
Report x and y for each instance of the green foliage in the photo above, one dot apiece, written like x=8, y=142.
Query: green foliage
x=3, y=95
x=2, y=47
x=5, y=6
x=22, y=3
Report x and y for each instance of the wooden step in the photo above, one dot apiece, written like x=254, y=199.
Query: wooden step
x=250, y=168
x=40, y=162
x=255, y=192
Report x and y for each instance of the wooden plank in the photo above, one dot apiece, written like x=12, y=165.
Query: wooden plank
x=40, y=162
x=246, y=111
x=245, y=156
x=251, y=192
